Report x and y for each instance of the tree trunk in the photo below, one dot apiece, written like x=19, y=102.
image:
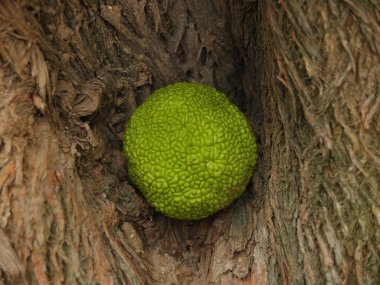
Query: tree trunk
x=305, y=73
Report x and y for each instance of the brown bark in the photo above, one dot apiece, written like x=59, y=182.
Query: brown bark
x=306, y=75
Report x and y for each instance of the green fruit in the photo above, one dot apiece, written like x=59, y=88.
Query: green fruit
x=189, y=150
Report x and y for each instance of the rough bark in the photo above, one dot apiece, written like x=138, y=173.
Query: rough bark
x=328, y=58
x=306, y=75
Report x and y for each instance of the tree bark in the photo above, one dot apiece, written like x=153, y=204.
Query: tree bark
x=305, y=74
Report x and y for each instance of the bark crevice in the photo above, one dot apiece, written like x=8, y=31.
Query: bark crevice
x=306, y=76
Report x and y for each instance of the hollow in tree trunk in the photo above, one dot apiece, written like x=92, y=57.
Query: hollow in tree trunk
x=306, y=74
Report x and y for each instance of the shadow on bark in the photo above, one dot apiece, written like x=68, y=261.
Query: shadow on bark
x=306, y=75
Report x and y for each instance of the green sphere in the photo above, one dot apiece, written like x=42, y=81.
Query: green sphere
x=189, y=150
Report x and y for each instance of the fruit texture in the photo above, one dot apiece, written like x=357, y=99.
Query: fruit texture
x=189, y=150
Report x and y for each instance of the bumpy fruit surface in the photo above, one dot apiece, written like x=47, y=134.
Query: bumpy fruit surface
x=189, y=150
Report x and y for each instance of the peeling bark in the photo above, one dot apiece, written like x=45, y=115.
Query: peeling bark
x=305, y=74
